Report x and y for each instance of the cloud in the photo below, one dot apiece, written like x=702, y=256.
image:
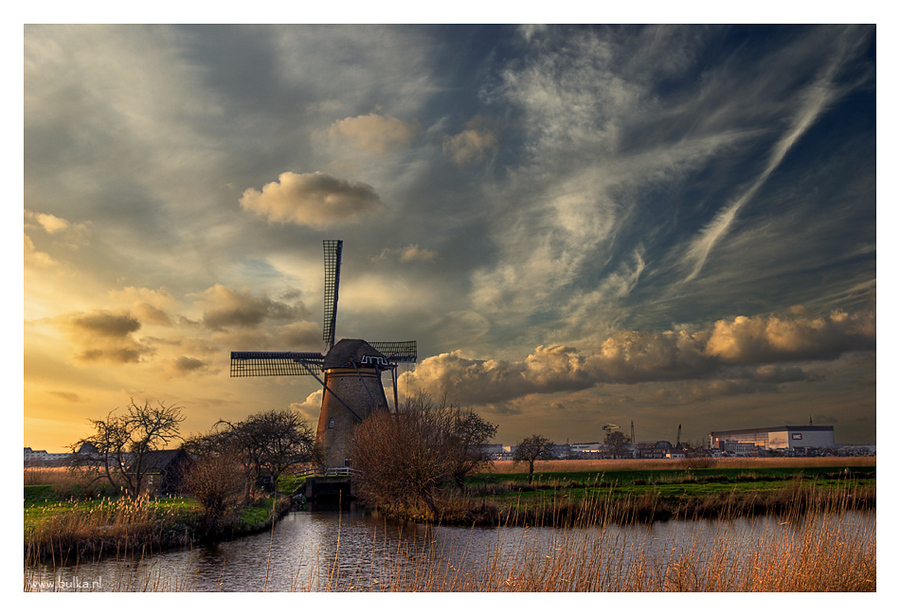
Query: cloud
x=51, y=223
x=470, y=145
x=764, y=339
x=224, y=307
x=185, y=365
x=408, y=254
x=813, y=101
x=147, y=305
x=310, y=408
x=104, y=336
x=106, y=324
x=374, y=132
x=312, y=199
x=67, y=234
x=740, y=355
x=300, y=336
x=37, y=258
x=69, y=396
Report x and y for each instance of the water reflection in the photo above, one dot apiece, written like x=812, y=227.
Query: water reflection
x=356, y=551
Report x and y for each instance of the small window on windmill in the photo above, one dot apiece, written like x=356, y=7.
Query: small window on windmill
x=331, y=422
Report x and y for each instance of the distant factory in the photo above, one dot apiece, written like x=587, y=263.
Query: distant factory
x=780, y=438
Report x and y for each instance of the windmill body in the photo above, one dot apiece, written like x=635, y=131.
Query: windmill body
x=352, y=391
x=352, y=386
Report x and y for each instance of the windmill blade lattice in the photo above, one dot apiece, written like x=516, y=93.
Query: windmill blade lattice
x=333, y=249
x=275, y=363
x=397, y=352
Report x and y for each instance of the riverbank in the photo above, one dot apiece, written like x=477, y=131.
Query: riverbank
x=58, y=531
x=353, y=551
x=577, y=492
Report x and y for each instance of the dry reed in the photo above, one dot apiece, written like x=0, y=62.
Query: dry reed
x=120, y=527
x=805, y=550
x=555, y=466
x=809, y=551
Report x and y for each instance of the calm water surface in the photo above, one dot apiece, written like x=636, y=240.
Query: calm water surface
x=356, y=551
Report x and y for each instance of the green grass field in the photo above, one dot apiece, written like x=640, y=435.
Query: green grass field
x=670, y=491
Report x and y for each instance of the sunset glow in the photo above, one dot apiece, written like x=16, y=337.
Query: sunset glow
x=578, y=225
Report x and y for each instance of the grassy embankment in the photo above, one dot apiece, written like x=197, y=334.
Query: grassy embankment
x=813, y=553
x=66, y=522
x=563, y=492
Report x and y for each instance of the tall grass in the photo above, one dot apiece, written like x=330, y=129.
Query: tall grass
x=810, y=547
x=68, y=483
x=810, y=550
x=110, y=527
x=552, y=466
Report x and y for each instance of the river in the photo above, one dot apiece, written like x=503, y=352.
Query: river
x=357, y=551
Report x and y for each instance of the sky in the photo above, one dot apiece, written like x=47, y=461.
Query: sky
x=578, y=225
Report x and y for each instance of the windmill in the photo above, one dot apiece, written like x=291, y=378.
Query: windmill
x=352, y=387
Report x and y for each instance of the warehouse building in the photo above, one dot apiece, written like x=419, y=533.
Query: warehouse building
x=779, y=437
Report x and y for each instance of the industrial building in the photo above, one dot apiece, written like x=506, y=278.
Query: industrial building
x=779, y=437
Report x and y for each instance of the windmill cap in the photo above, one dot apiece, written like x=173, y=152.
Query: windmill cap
x=349, y=351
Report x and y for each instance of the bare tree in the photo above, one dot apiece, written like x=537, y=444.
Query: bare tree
x=270, y=442
x=119, y=448
x=469, y=437
x=218, y=482
x=406, y=458
x=530, y=449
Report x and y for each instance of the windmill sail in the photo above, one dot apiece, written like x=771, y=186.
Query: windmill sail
x=397, y=352
x=333, y=250
x=351, y=370
x=275, y=363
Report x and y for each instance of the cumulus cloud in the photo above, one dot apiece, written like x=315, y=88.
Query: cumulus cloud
x=311, y=199
x=795, y=337
x=224, y=307
x=471, y=145
x=147, y=305
x=52, y=224
x=104, y=336
x=309, y=409
x=72, y=235
x=733, y=356
x=375, y=132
